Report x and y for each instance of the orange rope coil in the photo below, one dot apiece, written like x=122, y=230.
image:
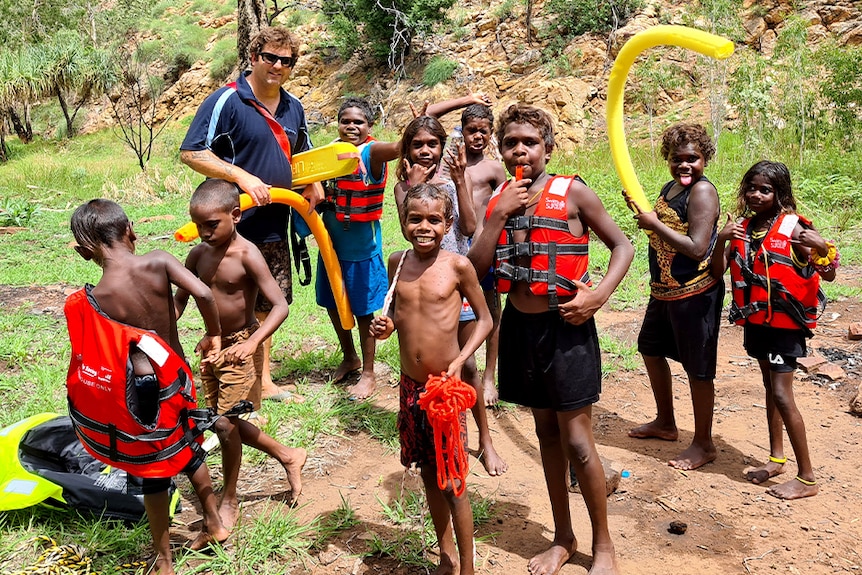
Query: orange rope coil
x=443, y=400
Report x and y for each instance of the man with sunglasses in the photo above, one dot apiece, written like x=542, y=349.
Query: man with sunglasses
x=245, y=133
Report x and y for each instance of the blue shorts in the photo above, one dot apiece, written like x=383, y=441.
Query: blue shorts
x=467, y=313
x=366, y=284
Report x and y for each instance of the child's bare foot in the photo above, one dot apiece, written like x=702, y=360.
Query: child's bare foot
x=162, y=566
x=293, y=462
x=758, y=475
x=346, y=367
x=693, y=457
x=490, y=393
x=447, y=566
x=551, y=561
x=364, y=387
x=604, y=560
x=653, y=430
x=229, y=512
x=268, y=389
x=205, y=539
x=492, y=461
x=796, y=488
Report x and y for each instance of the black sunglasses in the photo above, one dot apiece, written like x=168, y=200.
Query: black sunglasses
x=271, y=59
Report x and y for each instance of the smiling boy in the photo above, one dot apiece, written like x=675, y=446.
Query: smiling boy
x=538, y=227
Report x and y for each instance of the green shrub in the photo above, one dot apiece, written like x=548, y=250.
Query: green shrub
x=439, y=69
x=384, y=28
x=224, y=58
x=571, y=18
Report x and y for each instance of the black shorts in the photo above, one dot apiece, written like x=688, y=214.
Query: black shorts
x=685, y=330
x=780, y=347
x=548, y=363
x=151, y=485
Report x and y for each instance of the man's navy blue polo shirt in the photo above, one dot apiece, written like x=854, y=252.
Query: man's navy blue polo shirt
x=237, y=133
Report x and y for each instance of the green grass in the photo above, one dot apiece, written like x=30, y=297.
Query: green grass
x=413, y=530
x=55, y=176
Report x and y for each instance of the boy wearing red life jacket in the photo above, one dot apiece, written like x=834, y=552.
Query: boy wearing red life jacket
x=136, y=292
x=538, y=225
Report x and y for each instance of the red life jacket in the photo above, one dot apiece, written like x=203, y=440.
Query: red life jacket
x=103, y=399
x=557, y=257
x=769, y=289
x=354, y=199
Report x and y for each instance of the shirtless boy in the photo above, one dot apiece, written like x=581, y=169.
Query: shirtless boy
x=561, y=379
x=428, y=285
x=236, y=272
x=137, y=291
x=477, y=125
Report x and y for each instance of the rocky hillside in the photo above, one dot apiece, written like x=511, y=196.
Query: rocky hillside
x=494, y=58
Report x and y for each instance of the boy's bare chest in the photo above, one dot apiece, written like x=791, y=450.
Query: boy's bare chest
x=226, y=274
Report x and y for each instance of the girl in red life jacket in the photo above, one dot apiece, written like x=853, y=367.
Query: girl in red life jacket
x=776, y=260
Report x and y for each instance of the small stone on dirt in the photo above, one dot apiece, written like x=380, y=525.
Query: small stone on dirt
x=677, y=527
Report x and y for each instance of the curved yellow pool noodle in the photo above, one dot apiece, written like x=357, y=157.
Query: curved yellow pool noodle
x=330, y=261
x=682, y=36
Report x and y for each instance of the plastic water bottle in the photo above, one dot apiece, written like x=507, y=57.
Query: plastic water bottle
x=456, y=139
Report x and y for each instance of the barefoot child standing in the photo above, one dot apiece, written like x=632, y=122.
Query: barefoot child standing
x=428, y=284
x=422, y=146
x=235, y=271
x=537, y=232
x=684, y=310
x=135, y=290
x=776, y=260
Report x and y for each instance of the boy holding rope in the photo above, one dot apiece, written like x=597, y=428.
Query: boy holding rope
x=424, y=305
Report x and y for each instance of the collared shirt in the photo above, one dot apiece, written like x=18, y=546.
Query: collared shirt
x=237, y=133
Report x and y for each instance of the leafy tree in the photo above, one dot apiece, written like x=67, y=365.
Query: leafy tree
x=134, y=106
x=385, y=27
x=841, y=88
x=653, y=77
x=570, y=18
x=795, y=62
x=74, y=73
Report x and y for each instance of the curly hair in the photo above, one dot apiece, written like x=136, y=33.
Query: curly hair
x=428, y=123
x=360, y=104
x=427, y=193
x=681, y=134
x=779, y=178
x=275, y=36
x=524, y=114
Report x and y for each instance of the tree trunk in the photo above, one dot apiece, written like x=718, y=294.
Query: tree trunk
x=63, y=106
x=251, y=17
x=23, y=129
x=4, y=153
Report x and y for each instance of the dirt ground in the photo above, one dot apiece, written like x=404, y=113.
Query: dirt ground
x=733, y=525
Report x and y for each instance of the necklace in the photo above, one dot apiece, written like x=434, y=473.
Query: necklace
x=530, y=201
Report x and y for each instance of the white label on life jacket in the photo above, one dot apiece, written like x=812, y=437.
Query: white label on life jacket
x=787, y=225
x=153, y=349
x=560, y=186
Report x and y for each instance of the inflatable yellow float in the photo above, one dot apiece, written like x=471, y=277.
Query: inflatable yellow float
x=682, y=36
x=324, y=163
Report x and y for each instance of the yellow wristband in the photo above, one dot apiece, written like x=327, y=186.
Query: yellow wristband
x=819, y=260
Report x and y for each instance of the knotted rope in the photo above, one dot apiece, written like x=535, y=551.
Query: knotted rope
x=443, y=400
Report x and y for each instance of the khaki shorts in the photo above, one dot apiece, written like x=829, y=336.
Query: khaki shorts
x=226, y=384
x=277, y=257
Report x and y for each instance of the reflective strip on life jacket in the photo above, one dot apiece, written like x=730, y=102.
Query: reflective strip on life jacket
x=556, y=257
